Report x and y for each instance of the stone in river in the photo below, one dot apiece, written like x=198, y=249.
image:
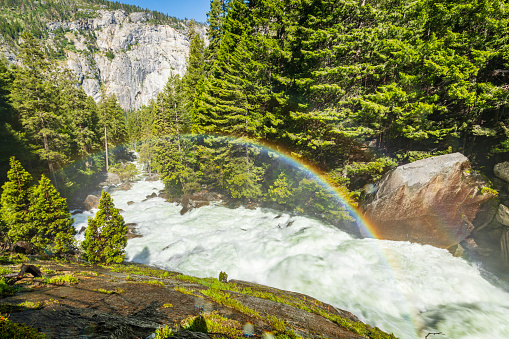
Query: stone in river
x=432, y=201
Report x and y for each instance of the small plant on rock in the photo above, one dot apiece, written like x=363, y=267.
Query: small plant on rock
x=223, y=277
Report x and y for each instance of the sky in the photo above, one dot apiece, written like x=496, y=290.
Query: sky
x=191, y=9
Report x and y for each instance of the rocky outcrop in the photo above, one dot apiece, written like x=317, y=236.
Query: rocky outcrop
x=502, y=171
x=197, y=200
x=133, y=59
x=126, y=54
x=432, y=201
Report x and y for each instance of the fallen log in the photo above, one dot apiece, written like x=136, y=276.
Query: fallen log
x=33, y=270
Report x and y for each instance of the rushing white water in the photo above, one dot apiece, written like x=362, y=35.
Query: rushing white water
x=404, y=288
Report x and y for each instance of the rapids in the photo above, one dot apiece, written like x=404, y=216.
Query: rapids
x=401, y=287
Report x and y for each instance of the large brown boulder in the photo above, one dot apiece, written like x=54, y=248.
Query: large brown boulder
x=432, y=201
x=92, y=201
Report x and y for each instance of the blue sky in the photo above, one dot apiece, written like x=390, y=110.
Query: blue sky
x=191, y=9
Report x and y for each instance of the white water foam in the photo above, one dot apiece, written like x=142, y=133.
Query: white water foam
x=404, y=288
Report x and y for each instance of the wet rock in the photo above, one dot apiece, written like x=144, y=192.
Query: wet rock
x=23, y=247
x=125, y=186
x=83, y=229
x=76, y=212
x=163, y=195
x=456, y=250
x=432, y=201
x=129, y=203
x=91, y=202
x=198, y=200
x=502, y=171
x=153, y=195
x=503, y=215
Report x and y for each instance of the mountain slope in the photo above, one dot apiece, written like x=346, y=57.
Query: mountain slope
x=129, y=51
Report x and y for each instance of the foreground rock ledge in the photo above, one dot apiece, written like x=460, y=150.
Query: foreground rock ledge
x=433, y=201
x=132, y=301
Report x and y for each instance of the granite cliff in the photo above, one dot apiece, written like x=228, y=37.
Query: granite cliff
x=126, y=53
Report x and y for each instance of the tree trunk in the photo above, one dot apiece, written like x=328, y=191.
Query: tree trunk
x=106, y=147
x=46, y=148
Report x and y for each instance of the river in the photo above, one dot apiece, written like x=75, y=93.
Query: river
x=401, y=287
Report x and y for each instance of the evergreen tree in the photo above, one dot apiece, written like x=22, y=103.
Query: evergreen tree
x=106, y=234
x=35, y=97
x=232, y=99
x=15, y=201
x=112, y=122
x=171, y=115
x=215, y=20
x=195, y=67
x=50, y=219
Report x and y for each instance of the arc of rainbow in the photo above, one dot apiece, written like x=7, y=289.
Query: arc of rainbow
x=367, y=229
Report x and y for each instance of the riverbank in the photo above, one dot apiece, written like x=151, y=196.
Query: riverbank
x=74, y=299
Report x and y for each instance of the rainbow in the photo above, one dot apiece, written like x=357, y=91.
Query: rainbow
x=366, y=228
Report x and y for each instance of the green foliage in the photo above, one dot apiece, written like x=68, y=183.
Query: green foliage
x=213, y=323
x=106, y=234
x=6, y=289
x=223, y=277
x=281, y=191
x=8, y=329
x=61, y=280
x=195, y=324
x=110, y=55
x=15, y=201
x=126, y=171
x=164, y=332
x=50, y=219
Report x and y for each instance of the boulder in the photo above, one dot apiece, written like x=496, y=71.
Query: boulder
x=125, y=186
x=129, y=203
x=503, y=215
x=151, y=196
x=92, y=201
x=502, y=171
x=431, y=201
x=190, y=202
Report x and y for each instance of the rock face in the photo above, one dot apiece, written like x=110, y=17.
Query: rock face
x=432, y=201
x=126, y=54
x=133, y=59
x=502, y=170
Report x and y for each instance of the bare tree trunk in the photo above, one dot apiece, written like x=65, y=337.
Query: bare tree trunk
x=106, y=147
x=46, y=148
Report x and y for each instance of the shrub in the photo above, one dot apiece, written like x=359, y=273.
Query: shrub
x=223, y=277
x=8, y=329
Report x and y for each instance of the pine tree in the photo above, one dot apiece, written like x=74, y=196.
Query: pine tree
x=215, y=20
x=50, y=218
x=16, y=203
x=195, y=67
x=112, y=122
x=106, y=234
x=232, y=100
x=35, y=96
